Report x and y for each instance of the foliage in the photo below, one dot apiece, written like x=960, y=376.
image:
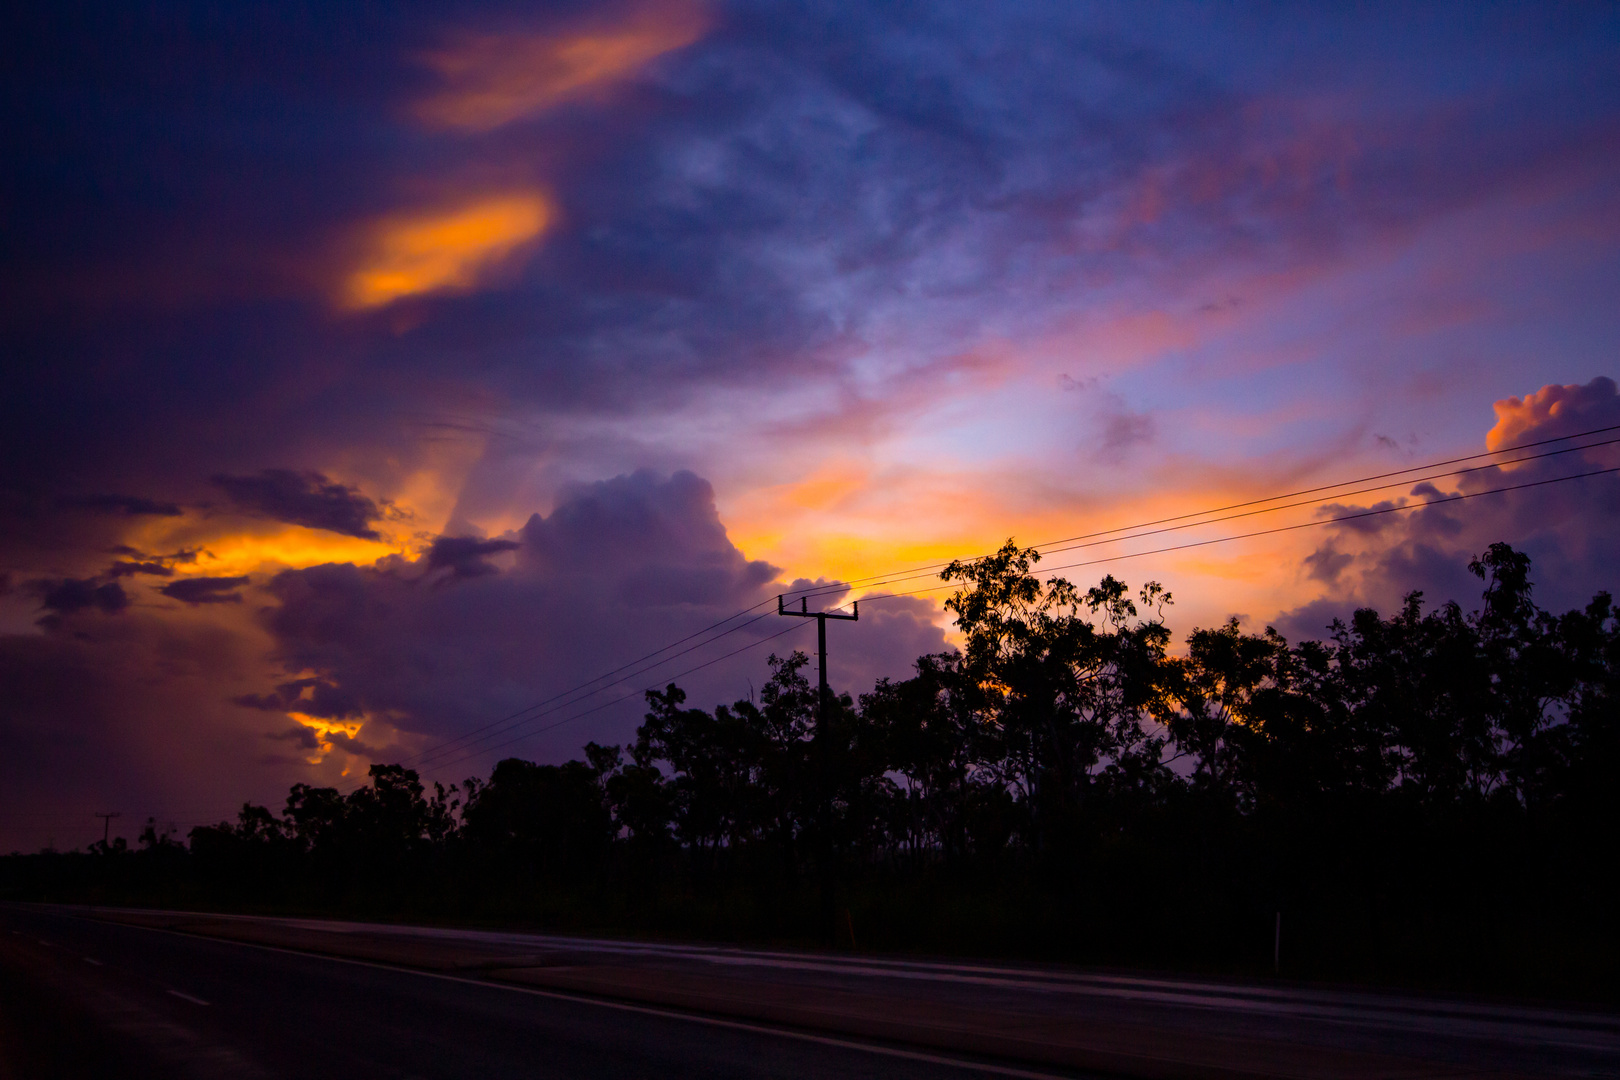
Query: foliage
x=1427, y=796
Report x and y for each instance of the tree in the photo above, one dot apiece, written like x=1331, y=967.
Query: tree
x=1064, y=685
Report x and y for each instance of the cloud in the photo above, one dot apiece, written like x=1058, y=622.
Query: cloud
x=125, y=568
x=454, y=250
x=205, y=590
x=1326, y=562
x=323, y=736
x=305, y=738
x=134, y=716
x=312, y=697
x=763, y=256
x=1122, y=431
x=127, y=505
x=143, y=563
x=618, y=569
x=1553, y=411
x=1374, y=518
x=304, y=498
x=466, y=556
x=71, y=595
x=1569, y=526
x=491, y=80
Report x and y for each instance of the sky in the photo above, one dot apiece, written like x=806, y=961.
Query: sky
x=374, y=373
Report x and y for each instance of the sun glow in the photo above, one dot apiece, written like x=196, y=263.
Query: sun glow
x=445, y=251
x=293, y=546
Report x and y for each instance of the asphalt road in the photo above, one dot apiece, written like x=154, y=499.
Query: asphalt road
x=81, y=998
x=171, y=994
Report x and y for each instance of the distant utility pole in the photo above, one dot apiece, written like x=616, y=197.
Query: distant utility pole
x=829, y=871
x=106, y=824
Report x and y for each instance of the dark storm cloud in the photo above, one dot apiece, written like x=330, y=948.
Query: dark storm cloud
x=308, y=739
x=302, y=737
x=1377, y=517
x=205, y=590
x=1326, y=562
x=78, y=594
x=467, y=556
x=753, y=209
x=805, y=187
x=313, y=697
x=128, y=505
x=618, y=569
x=124, y=568
x=128, y=714
x=304, y=498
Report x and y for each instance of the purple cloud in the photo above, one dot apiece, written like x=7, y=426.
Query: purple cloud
x=205, y=590
x=304, y=498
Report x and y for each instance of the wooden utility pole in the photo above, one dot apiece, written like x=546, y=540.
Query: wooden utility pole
x=106, y=825
x=823, y=752
x=821, y=618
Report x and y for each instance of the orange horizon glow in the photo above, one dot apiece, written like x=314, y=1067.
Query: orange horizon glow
x=446, y=251
x=492, y=80
x=820, y=527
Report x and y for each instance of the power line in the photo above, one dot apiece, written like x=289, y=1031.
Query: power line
x=889, y=576
x=1284, y=528
x=1176, y=547
x=585, y=690
x=606, y=704
x=502, y=725
x=1380, y=476
x=567, y=693
x=922, y=572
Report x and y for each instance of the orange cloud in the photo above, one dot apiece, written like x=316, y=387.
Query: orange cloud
x=492, y=80
x=324, y=730
x=445, y=251
x=1567, y=408
x=295, y=546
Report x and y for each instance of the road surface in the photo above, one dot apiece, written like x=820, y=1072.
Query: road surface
x=175, y=995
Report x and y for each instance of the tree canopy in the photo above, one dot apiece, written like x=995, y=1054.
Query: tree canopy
x=1411, y=790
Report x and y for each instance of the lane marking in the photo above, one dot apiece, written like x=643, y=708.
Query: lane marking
x=1577, y=1031
x=1355, y=1006
x=90, y=961
x=188, y=997
x=645, y=1010
x=1582, y=1031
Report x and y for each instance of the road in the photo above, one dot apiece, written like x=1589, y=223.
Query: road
x=83, y=998
x=167, y=995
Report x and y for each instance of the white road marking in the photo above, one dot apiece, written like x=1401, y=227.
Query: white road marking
x=645, y=1010
x=1394, y=1012
x=90, y=961
x=188, y=997
x=1180, y=991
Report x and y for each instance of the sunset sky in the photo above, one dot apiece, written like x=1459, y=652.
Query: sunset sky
x=375, y=372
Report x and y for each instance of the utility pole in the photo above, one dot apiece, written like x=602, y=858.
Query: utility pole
x=106, y=825
x=823, y=750
x=821, y=618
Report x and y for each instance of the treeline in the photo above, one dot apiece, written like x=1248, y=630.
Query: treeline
x=1427, y=797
